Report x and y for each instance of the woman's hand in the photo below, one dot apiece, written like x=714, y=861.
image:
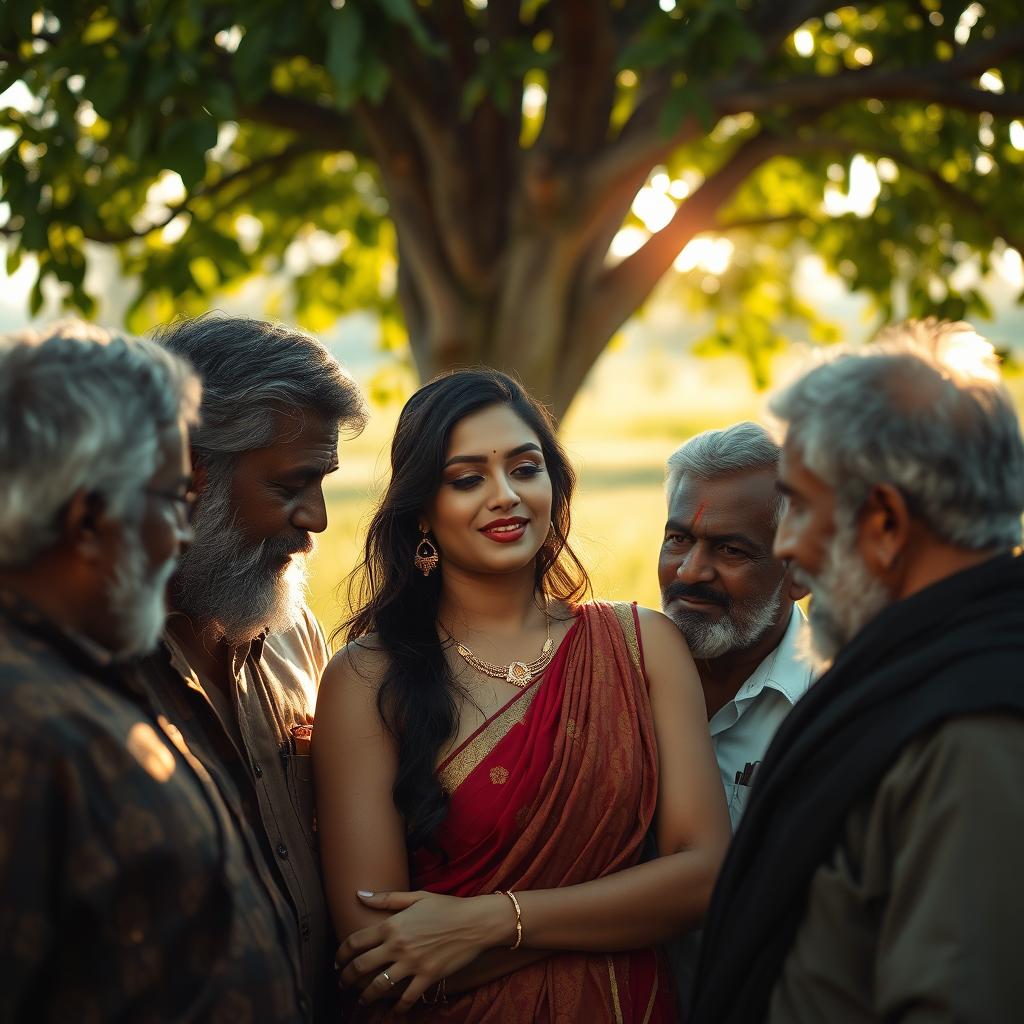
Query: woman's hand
x=427, y=938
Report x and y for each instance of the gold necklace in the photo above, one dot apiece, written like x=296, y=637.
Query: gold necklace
x=518, y=673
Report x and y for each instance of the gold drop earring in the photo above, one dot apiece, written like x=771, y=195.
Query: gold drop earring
x=426, y=558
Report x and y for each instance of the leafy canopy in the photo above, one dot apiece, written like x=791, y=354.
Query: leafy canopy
x=315, y=142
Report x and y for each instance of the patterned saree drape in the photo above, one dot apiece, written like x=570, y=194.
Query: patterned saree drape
x=557, y=788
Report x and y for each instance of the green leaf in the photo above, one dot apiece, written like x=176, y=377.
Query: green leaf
x=344, y=38
x=99, y=31
x=472, y=96
x=376, y=79
x=219, y=100
x=18, y=17
x=187, y=32
x=685, y=101
x=106, y=89
x=33, y=234
x=183, y=148
x=405, y=14
x=35, y=297
x=137, y=139
x=251, y=62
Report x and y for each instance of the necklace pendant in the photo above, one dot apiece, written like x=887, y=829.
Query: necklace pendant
x=518, y=673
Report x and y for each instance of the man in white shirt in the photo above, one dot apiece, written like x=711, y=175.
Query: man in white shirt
x=730, y=596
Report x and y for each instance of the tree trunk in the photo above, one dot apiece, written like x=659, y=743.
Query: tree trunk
x=524, y=327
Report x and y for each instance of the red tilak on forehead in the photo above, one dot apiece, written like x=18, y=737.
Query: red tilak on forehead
x=697, y=517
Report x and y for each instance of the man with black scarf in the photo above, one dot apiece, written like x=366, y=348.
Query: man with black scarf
x=876, y=873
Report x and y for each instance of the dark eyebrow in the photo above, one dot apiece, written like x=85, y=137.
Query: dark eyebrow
x=736, y=538
x=672, y=526
x=528, y=447
x=310, y=471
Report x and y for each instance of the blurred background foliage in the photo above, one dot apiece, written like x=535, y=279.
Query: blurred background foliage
x=507, y=181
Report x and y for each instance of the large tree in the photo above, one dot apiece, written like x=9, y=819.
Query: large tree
x=467, y=164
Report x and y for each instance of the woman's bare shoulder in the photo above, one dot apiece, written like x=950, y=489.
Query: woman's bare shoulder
x=360, y=665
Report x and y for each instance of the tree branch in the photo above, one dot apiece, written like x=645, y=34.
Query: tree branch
x=305, y=118
x=999, y=226
x=620, y=290
x=640, y=144
x=769, y=220
x=419, y=234
x=927, y=82
x=275, y=162
x=774, y=20
x=447, y=180
x=582, y=84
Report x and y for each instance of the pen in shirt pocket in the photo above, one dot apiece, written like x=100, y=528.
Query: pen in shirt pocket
x=746, y=777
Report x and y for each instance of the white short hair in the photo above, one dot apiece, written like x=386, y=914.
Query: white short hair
x=80, y=409
x=924, y=411
x=742, y=448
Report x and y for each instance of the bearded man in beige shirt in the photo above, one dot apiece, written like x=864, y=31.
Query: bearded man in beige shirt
x=242, y=655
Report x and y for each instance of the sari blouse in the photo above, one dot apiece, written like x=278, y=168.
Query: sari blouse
x=556, y=788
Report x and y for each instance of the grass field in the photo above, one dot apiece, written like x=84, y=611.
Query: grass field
x=618, y=433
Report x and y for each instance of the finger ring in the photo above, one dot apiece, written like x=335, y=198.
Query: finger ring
x=387, y=978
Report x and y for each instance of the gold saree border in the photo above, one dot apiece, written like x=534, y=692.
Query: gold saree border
x=650, y=1002
x=624, y=613
x=473, y=754
x=616, y=1005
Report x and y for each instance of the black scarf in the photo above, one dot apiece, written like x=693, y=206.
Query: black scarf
x=954, y=648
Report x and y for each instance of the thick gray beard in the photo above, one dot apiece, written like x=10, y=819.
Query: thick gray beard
x=233, y=589
x=845, y=597
x=738, y=629
x=138, y=602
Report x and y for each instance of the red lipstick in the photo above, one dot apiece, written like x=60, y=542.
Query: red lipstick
x=505, y=531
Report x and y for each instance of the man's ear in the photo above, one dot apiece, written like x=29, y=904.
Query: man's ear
x=83, y=522
x=883, y=528
x=200, y=476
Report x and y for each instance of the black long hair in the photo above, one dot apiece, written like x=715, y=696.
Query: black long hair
x=416, y=698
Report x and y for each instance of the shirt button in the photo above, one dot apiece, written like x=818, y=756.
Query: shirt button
x=257, y=769
x=282, y=851
x=305, y=930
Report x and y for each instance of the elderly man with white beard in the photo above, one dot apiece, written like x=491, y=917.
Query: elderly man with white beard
x=876, y=873
x=731, y=598
x=242, y=655
x=126, y=889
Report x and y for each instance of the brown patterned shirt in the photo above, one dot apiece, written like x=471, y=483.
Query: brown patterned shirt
x=246, y=740
x=126, y=891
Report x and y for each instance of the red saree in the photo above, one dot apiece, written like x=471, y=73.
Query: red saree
x=558, y=787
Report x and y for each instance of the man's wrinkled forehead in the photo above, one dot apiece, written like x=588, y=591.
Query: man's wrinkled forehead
x=737, y=502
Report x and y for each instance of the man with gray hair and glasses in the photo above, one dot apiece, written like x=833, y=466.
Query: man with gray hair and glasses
x=731, y=598
x=242, y=655
x=126, y=889
x=876, y=873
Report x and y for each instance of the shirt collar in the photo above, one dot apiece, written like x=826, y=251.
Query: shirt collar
x=179, y=661
x=781, y=670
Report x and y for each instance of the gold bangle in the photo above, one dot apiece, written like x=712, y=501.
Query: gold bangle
x=519, y=915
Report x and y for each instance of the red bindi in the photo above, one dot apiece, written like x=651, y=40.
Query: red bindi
x=697, y=517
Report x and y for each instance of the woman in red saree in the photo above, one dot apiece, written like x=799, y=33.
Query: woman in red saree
x=523, y=835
